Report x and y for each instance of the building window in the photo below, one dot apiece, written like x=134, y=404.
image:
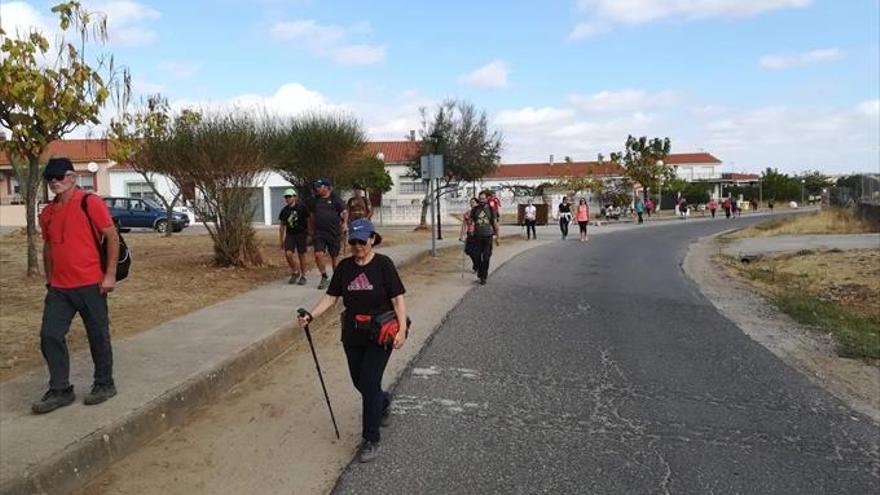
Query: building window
x=86, y=182
x=140, y=190
x=16, y=187
x=413, y=187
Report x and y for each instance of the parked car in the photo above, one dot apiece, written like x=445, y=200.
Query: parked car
x=144, y=213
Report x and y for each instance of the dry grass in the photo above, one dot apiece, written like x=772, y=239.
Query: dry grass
x=827, y=221
x=836, y=292
x=170, y=277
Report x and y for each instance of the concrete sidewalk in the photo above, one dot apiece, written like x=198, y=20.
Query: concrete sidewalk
x=754, y=246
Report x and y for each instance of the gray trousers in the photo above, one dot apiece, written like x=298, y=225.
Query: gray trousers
x=60, y=308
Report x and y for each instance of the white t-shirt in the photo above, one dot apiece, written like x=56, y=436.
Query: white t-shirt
x=531, y=212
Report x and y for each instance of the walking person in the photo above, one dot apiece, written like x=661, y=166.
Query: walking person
x=370, y=288
x=466, y=235
x=531, y=219
x=713, y=205
x=327, y=226
x=640, y=210
x=583, y=218
x=294, y=219
x=485, y=228
x=726, y=204
x=649, y=207
x=770, y=204
x=359, y=206
x=76, y=282
x=564, y=216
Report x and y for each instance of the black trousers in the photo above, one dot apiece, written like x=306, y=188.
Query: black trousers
x=470, y=249
x=530, y=229
x=483, y=250
x=727, y=212
x=641, y=220
x=563, y=225
x=366, y=364
x=712, y=210
x=60, y=307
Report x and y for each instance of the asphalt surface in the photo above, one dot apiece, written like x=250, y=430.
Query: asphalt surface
x=600, y=368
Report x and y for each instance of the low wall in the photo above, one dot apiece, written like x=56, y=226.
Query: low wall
x=13, y=216
x=869, y=212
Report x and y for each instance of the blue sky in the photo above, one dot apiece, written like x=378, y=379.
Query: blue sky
x=785, y=83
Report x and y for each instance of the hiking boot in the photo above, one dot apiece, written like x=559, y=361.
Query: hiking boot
x=324, y=283
x=53, y=399
x=482, y=281
x=99, y=394
x=301, y=281
x=293, y=279
x=369, y=451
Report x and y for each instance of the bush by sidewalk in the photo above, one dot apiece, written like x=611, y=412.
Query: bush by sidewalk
x=826, y=221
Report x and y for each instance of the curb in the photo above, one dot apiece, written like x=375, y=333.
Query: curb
x=81, y=461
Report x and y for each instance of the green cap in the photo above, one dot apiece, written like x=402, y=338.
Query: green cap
x=290, y=192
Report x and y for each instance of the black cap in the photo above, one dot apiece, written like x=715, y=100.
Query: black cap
x=323, y=182
x=57, y=167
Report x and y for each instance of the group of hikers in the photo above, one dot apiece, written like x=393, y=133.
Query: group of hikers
x=81, y=246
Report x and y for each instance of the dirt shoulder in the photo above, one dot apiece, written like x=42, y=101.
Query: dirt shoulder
x=854, y=381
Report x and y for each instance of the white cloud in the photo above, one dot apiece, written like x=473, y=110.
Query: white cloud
x=624, y=100
x=603, y=15
x=792, y=60
x=492, y=75
x=142, y=87
x=529, y=117
x=19, y=18
x=871, y=108
x=330, y=41
x=179, y=70
x=588, y=30
x=124, y=19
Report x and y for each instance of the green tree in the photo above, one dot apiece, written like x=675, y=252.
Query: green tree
x=470, y=149
x=316, y=146
x=780, y=186
x=372, y=175
x=814, y=182
x=645, y=161
x=44, y=96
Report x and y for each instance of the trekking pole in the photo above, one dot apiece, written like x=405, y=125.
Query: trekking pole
x=462, y=260
x=303, y=314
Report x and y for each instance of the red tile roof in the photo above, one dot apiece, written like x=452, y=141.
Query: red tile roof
x=686, y=158
x=394, y=151
x=78, y=150
x=540, y=170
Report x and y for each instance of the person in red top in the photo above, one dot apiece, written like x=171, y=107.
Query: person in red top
x=713, y=205
x=76, y=282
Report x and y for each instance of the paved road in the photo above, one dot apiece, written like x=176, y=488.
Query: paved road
x=600, y=368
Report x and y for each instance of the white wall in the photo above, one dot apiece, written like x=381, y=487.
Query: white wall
x=119, y=181
x=698, y=171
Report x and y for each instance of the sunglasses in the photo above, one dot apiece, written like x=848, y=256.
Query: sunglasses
x=357, y=242
x=55, y=177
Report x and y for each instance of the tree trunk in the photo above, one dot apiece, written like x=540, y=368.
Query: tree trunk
x=31, y=188
x=423, y=219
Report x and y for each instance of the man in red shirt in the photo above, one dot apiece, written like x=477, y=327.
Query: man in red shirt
x=76, y=282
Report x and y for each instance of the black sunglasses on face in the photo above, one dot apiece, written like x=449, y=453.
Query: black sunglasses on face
x=53, y=177
x=357, y=242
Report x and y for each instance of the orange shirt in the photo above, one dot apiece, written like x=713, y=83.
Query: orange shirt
x=583, y=213
x=76, y=261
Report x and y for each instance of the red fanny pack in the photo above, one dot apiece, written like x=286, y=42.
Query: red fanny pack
x=383, y=328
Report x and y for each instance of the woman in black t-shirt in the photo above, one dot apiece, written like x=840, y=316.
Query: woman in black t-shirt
x=369, y=285
x=564, y=216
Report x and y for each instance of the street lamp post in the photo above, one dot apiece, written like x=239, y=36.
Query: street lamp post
x=660, y=188
x=803, y=185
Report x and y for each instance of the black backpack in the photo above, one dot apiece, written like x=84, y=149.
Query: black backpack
x=123, y=264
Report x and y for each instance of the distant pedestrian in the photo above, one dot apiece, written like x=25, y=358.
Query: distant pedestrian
x=294, y=221
x=738, y=207
x=77, y=281
x=485, y=228
x=754, y=204
x=649, y=207
x=713, y=205
x=328, y=225
x=531, y=218
x=683, y=208
x=371, y=290
x=564, y=216
x=727, y=205
x=770, y=205
x=467, y=235
x=583, y=218
x=494, y=202
x=359, y=206
x=640, y=209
